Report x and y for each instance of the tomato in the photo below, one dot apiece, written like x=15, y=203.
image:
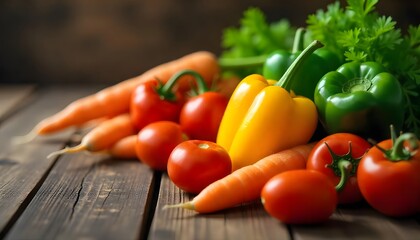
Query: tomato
x=299, y=197
x=156, y=141
x=333, y=164
x=194, y=164
x=149, y=104
x=201, y=115
x=389, y=178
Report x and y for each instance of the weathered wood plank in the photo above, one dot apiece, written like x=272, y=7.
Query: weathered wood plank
x=88, y=197
x=22, y=167
x=251, y=222
x=361, y=222
x=12, y=95
x=244, y=222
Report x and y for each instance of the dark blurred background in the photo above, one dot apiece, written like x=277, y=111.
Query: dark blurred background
x=106, y=41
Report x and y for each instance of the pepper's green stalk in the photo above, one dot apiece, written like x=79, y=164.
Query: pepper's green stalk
x=286, y=80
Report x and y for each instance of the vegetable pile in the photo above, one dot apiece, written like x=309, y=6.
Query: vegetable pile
x=285, y=114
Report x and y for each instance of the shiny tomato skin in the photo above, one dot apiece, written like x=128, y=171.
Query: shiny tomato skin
x=156, y=141
x=194, y=164
x=392, y=188
x=339, y=144
x=299, y=197
x=201, y=115
x=147, y=106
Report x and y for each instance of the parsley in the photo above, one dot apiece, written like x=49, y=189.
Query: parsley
x=358, y=33
x=255, y=37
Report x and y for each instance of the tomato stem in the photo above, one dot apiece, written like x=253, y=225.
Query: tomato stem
x=165, y=91
x=343, y=166
x=399, y=151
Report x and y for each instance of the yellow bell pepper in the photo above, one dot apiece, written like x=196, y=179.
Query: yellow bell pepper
x=262, y=119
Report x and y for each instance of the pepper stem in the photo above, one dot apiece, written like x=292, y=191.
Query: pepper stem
x=298, y=40
x=165, y=91
x=285, y=80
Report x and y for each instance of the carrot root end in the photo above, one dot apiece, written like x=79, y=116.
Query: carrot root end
x=186, y=205
x=75, y=149
x=25, y=138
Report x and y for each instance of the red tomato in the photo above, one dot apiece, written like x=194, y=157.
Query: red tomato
x=148, y=105
x=201, y=115
x=194, y=164
x=391, y=186
x=320, y=159
x=299, y=197
x=156, y=141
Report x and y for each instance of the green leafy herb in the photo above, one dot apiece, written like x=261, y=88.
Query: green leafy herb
x=255, y=37
x=359, y=33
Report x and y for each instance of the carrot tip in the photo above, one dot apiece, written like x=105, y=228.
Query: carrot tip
x=25, y=138
x=186, y=205
x=75, y=149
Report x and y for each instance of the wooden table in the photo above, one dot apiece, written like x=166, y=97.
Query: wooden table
x=92, y=196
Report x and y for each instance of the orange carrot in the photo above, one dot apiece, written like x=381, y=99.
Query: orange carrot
x=102, y=137
x=245, y=184
x=124, y=148
x=116, y=99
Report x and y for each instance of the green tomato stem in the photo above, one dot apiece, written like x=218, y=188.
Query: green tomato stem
x=345, y=170
x=399, y=152
x=165, y=91
x=343, y=166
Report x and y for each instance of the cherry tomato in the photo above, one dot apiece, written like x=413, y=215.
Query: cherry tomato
x=156, y=141
x=149, y=105
x=343, y=157
x=194, y=164
x=389, y=176
x=201, y=115
x=299, y=197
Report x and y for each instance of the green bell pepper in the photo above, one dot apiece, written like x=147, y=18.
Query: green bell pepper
x=274, y=65
x=316, y=66
x=360, y=98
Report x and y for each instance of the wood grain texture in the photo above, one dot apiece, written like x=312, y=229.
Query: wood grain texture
x=12, y=95
x=243, y=222
x=361, y=222
x=22, y=167
x=88, y=197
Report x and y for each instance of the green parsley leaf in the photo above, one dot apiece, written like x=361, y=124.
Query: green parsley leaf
x=255, y=37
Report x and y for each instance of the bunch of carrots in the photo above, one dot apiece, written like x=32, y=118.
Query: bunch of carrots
x=116, y=134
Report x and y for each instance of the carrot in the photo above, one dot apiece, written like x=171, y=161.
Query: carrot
x=102, y=137
x=115, y=99
x=245, y=184
x=124, y=148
